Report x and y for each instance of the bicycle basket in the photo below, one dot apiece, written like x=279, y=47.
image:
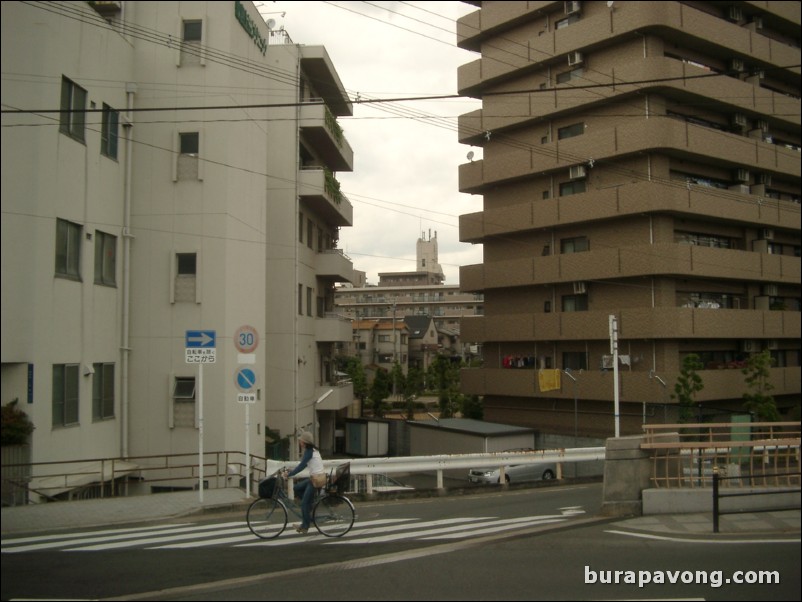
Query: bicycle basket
x=340, y=479
x=267, y=487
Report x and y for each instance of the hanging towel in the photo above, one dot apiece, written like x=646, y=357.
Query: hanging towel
x=549, y=380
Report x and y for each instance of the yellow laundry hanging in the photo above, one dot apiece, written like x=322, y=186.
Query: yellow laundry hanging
x=549, y=380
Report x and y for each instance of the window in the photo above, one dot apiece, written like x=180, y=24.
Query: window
x=109, y=132
x=188, y=152
x=68, y=249
x=105, y=258
x=573, y=187
x=308, y=301
x=575, y=360
x=300, y=299
x=191, y=36
x=65, y=394
x=567, y=76
x=575, y=303
x=577, y=244
x=73, y=106
x=567, y=21
x=190, y=143
x=310, y=232
x=186, y=277
x=570, y=131
x=301, y=228
x=103, y=391
x=193, y=30
x=184, y=402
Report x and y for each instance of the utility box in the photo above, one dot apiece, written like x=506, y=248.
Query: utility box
x=367, y=437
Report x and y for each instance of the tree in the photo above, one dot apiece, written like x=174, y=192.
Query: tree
x=379, y=391
x=688, y=384
x=758, y=401
x=353, y=367
x=472, y=407
x=444, y=378
x=16, y=426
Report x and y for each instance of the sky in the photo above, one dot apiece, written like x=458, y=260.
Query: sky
x=405, y=179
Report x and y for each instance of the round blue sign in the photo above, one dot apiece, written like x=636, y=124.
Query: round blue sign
x=245, y=379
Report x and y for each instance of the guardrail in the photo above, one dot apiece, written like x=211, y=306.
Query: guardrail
x=109, y=477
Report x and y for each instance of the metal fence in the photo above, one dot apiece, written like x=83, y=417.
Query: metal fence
x=760, y=454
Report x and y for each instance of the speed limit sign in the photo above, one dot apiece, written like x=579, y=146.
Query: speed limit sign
x=246, y=339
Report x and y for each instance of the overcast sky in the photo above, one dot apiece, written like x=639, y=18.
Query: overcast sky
x=405, y=179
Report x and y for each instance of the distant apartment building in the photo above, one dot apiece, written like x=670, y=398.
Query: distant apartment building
x=420, y=293
x=641, y=160
x=169, y=182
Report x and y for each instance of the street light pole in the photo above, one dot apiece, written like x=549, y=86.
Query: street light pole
x=576, y=429
x=614, y=351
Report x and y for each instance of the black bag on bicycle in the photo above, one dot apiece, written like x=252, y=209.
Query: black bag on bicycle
x=340, y=479
x=267, y=487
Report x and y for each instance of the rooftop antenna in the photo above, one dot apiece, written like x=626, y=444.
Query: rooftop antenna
x=470, y=156
x=271, y=23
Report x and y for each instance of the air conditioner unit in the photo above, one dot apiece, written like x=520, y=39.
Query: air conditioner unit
x=577, y=171
x=742, y=175
x=748, y=346
x=769, y=290
x=734, y=13
x=607, y=362
x=580, y=288
x=737, y=65
x=575, y=58
x=571, y=8
x=767, y=234
x=740, y=120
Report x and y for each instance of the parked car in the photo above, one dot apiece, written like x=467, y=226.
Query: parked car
x=515, y=473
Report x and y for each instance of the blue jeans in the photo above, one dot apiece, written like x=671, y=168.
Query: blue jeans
x=305, y=491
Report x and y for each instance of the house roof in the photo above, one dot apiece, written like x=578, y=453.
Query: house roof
x=418, y=326
x=472, y=427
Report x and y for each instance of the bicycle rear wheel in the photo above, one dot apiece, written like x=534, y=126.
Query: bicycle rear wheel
x=267, y=518
x=333, y=515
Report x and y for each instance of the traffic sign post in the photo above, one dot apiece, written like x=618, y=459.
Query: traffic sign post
x=245, y=380
x=200, y=348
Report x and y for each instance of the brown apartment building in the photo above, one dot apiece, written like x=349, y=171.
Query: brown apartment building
x=639, y=160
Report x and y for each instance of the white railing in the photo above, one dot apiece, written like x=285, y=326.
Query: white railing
x=407, y=464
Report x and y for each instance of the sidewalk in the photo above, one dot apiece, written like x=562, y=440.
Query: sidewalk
x=163, y=506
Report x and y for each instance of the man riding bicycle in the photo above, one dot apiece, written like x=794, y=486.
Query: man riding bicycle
x=305, y=488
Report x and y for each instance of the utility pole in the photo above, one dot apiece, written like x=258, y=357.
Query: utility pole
x=614, y=351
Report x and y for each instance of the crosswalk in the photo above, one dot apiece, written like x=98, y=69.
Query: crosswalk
x=237, y=534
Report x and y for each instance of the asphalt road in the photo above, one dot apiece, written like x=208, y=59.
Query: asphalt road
x=538, y=544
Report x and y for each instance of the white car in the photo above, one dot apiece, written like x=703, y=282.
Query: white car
x=515, y=473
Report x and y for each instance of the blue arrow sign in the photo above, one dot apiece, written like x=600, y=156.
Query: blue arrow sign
x=201, y=339
x=245, y=379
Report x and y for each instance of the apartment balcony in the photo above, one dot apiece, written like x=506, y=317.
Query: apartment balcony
x=334, y=264
x=657, y=323
x=629, y=200
x=674, y=259
x=675, y=79
x=317, y=65
x=676, y=21
x=666, y=136
x=635, y=387
x=333, y=328
x=321, y=191
x=320, y=129
x=341, y=396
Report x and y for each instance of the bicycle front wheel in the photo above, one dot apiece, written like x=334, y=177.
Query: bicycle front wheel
x=333, y=515
x=267, y=518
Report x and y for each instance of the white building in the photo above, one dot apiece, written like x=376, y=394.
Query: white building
x=149, y=167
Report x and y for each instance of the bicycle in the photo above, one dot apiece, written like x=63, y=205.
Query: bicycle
x=333, y=514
